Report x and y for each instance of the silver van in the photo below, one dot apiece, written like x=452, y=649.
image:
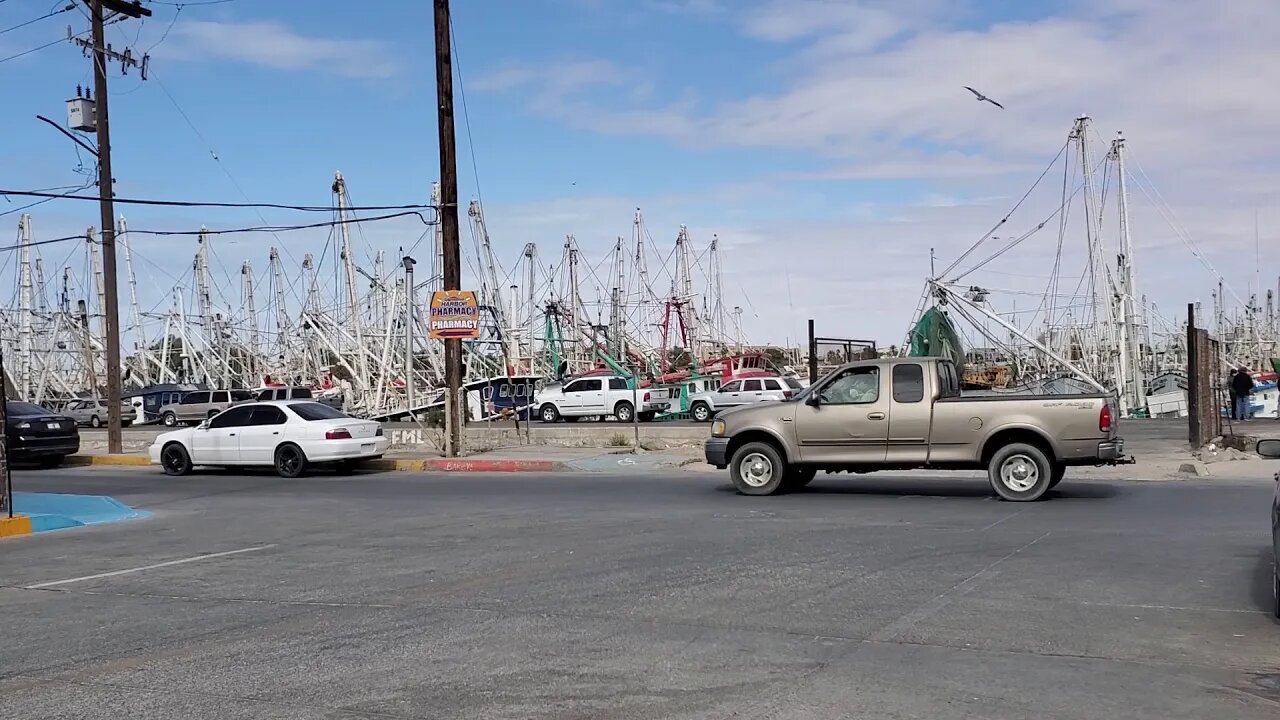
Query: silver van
x=200, y=405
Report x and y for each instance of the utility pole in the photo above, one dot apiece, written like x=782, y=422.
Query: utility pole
x=107, y=206
x=449, y=223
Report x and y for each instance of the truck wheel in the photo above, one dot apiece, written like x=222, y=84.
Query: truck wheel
x=799, y=476
x=1020, y=472
x=1059, y=471
x=170, y=420
x=701, y=412
x=758, y=469
x=623, y=412
x=549, y=413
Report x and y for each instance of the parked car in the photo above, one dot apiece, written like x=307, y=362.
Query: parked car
x=290, y=436
x=278, y=393
x=908, y=413
x=598, y=396
x=201, y=405
x=94, y=412
x=39, y=434
x=1271, y=449
x=704, y=406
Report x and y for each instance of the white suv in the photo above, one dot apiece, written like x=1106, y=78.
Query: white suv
x=599, y=396
x=704, y=406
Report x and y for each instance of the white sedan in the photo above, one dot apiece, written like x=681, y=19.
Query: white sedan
x=289, y=435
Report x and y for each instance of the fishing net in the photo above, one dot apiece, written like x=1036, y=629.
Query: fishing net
x=935, y=336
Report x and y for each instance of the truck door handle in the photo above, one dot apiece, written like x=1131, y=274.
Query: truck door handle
x=875, y=416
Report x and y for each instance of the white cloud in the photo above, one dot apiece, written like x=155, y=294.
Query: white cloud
x=874, y=90
x=277, y=46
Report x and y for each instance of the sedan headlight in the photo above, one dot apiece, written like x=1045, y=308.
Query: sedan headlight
x=717, y=428
x=24, y=426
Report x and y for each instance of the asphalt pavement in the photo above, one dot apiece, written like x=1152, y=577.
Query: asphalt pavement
x=662, y=596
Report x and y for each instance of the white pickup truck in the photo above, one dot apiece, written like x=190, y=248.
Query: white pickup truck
x=599, y=396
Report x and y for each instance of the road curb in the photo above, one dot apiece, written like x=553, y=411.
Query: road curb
x=132, y=460
x=460, y=465
x=14, y=526
x=465, y=465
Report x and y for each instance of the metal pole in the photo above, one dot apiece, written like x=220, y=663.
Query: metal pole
x=408, y=333
x=1193, y=381
x=635, y=407
x=6, y=499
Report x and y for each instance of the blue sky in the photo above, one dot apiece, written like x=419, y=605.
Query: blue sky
x=833, y=134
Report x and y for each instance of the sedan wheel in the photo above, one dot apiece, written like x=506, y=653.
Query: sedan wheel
x=95, y=422
x=290, y=461
x=175, y=460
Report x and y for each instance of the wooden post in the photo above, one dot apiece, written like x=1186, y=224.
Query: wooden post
x=448, y=213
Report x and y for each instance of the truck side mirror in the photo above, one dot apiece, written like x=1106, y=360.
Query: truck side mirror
x=813, y=400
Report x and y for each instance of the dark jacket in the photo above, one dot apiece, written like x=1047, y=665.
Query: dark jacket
x=1242, y=384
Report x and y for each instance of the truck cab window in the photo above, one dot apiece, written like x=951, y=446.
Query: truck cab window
x=908, y=383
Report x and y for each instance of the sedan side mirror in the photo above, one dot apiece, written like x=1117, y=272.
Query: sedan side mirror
x=204, y=425
x=1269, y=448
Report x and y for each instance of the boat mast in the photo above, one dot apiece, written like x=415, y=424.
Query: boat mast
x=140, y=350
x=1130, y=341
x=250, y=362
x=349, y=272
x=24, y=309
x=530, y=258
x=571, y=245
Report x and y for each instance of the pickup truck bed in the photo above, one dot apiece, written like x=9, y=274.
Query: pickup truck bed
x=908, y=413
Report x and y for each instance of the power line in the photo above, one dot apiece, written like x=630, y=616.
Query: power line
x=8, y=248
x=279, y=228
x=70, y=6
x=193, y=203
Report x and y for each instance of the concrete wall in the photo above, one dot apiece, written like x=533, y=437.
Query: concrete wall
x=652, y=435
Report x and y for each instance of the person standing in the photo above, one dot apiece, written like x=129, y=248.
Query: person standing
x=1242, y=383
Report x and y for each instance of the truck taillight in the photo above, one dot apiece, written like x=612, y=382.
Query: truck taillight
x=1104, y=417
x=786, y=394
x=646, y=397
x=338, y=434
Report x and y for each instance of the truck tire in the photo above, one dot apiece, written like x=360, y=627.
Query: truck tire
x=758, y=469
x=170, y=420
x=1020, y=472
x=701, y=412
x=549, y=413
x=623, y=412
x=798, y=476
x=1059, y=472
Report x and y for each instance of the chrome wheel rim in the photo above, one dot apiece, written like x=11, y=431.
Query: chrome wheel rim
x=756, y=470
x=624, y=414
x=548, y=415
x=173, y=460
x=1019, y=473
x=700, y=413
x=170, y=420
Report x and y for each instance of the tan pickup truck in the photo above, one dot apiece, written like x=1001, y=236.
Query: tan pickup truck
x=908, y=413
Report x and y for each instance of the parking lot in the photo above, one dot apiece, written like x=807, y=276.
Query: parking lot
x=599, y=596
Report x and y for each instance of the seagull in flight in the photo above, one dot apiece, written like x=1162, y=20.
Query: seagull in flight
x=981, y=98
